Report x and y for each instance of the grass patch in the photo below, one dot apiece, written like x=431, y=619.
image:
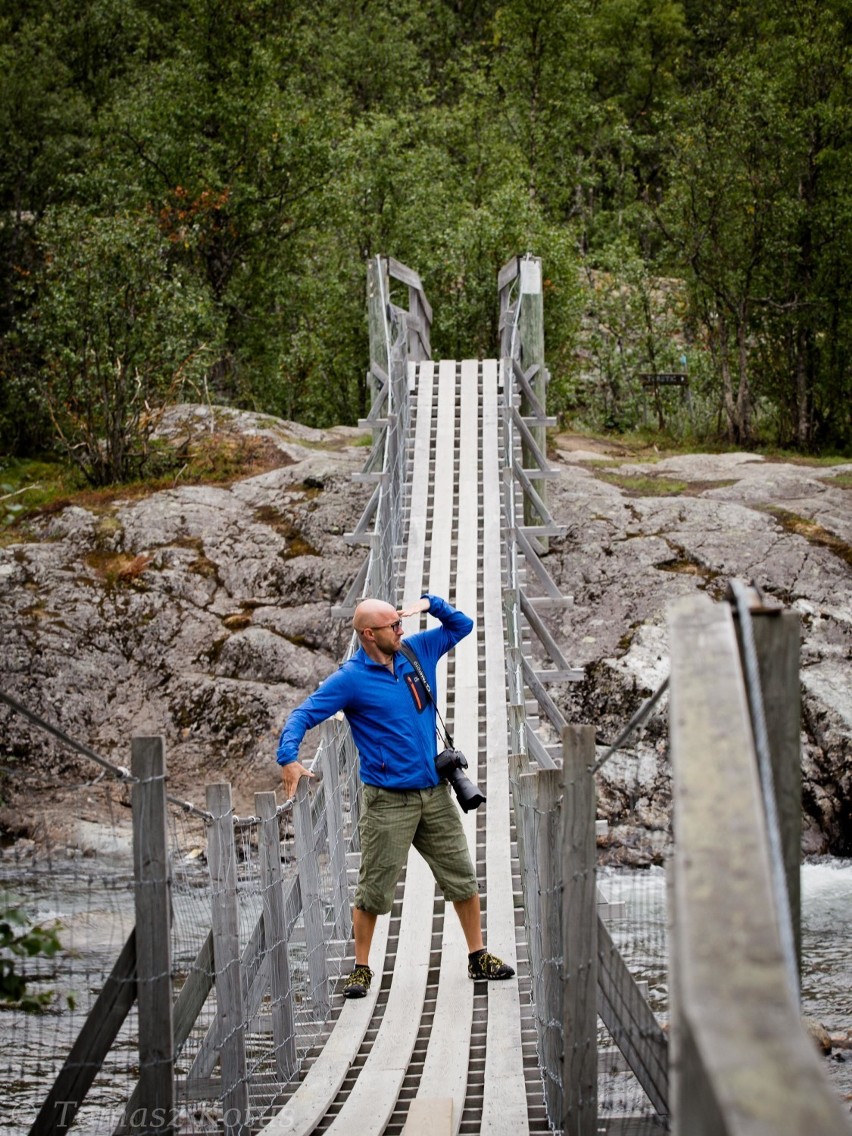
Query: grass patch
x=843, y=480
x=636, y=485
x=118, y=569
x=813, y=533
x=37, y=488
x=30, y=485
x=297, y=543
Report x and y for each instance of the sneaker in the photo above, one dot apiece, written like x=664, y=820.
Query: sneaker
x=358, y=982
x=484, y=965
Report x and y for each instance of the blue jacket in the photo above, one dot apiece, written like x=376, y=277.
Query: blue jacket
x=392, y=720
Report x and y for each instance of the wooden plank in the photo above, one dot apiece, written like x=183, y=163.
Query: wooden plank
x=543, y=697
x=538, y=751
x=193, y=994
x=346, y=609
x=573, y=675
x=507, y=273
x=745, y=1064
x=152, y=900
x=379, y=398
x=532, y=448
x=336, y=829
x=532, y=559
x=537, y=501
x=361, y=533
x=275, y=935
x=99, y=1031
x=579, y=939
x=419, y=483
x=187, y=1006
x=524, y=382
x=519, y=765
x=445, y=1066
x=207, y=1053
x=536, y=474
x=373, y=1097
x=403, y=273
x=312, y=1098
x=504, y=1106
x=430, y=1116
x=222, y=862
x=419, y=303
x=547, y=641
x=253, y=968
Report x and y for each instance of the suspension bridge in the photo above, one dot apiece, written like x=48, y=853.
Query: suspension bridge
x=254, y=1035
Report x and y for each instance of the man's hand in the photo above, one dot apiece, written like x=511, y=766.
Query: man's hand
x=414, y=609
x=291, y=774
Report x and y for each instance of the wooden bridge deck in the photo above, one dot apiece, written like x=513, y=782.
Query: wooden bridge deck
x=426, y=1033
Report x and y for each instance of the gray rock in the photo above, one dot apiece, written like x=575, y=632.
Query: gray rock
x=200, y=613
x=624, y=558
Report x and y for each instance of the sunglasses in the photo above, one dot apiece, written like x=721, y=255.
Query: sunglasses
x=395, y=626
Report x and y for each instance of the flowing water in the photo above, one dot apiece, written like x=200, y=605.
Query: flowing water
x=827, y=958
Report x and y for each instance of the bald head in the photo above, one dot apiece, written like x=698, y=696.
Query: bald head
x=373, y=613
x=379, y=629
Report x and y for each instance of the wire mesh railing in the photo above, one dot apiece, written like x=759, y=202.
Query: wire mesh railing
x=275, y=882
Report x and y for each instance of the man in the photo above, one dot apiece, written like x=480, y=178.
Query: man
x=403, y=801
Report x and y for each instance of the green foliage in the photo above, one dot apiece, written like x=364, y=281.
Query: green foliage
x=21, y=938
x=224, y=172
x=27, y=485
x=118, y=331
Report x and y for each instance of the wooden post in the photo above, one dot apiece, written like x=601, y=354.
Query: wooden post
x=579, y=934
x=275, y=934
x=541, y=792
x=230, y=995
x=153, y=938
x=745, y=1064
x=312, y=901
x=776, y=638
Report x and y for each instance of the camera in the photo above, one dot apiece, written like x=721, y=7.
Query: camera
x=449, y=764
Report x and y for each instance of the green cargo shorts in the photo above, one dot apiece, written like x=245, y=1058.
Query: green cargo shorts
x=393, y=820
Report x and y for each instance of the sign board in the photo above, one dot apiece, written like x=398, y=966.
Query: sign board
x=665, y=380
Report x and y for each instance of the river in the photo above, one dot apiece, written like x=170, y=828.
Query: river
x=826, y=984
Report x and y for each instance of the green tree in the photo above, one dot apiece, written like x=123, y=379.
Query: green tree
x=804, y=343
x=719, y=216
x=119, y=331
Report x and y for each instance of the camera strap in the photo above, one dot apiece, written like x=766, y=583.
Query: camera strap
x=415, y=662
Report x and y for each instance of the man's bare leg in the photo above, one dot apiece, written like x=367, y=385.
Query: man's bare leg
x=468, y=911
x=363, y=924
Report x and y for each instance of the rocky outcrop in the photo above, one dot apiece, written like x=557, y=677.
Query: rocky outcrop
x=203, y=613
x=637, y=537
